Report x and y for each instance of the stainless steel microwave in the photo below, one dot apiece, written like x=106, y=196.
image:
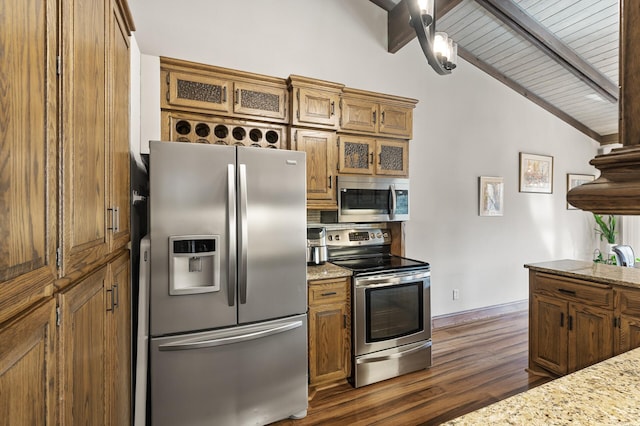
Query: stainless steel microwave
x=370, y=199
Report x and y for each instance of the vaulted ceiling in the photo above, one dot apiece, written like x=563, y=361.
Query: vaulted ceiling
x=562, y=55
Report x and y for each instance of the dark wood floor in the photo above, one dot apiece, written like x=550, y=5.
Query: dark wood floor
x=474, y=365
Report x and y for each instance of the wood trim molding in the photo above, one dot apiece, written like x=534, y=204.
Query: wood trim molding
x=611, y=139
x=457, y=318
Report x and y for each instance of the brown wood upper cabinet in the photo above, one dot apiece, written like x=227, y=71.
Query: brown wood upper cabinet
x=364, y=155
x=315, y=103
x=320, y=146
x=28, y=132
x=95, y=134
x=369, y=112
x=194, y=87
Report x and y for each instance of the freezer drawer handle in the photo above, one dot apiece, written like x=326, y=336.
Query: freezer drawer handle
x=179, y=346
x=393, y=356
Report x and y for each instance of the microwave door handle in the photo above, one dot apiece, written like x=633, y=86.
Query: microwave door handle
x=392, y=201
x=242, y=235
x=231, y=232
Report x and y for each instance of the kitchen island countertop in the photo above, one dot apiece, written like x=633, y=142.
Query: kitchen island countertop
x=606, y=393
x=326, y=271
x=590, y=271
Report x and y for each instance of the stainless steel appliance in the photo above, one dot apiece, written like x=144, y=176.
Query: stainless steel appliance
x=227, y=293
x=391, y=313
x=369, y=199
x=316, y=245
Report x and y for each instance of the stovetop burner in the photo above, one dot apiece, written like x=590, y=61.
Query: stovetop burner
x=385, y=262
x=366, y=251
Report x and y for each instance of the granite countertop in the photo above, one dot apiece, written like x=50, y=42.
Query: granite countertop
x=606, y=393
x=596, y=272
x=326, y=271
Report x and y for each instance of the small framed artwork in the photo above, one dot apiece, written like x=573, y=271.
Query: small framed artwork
x=536, y=173
x=491, y=196
x=573, y=180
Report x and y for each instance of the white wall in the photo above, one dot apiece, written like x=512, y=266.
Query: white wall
x=465, y=125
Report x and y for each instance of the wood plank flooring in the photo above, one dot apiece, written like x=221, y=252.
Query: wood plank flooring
x=474, y=365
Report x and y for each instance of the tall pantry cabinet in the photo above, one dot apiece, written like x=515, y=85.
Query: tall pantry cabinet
x=64, y=203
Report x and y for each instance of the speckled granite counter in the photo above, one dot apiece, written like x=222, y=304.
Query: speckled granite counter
x=596, y=272
x=607, y=393
x=326, y=271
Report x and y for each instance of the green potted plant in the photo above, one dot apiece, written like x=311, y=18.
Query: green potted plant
x=606, y=228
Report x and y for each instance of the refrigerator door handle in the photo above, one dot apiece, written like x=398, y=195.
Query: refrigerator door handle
x=186, y=345
x=242, y=234
x=231, y=232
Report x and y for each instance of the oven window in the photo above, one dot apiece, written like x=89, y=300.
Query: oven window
x=394, y=311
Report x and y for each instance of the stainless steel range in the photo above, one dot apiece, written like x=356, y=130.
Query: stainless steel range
x=391, y=308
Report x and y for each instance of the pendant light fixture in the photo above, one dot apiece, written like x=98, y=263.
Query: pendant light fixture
x=440, y=50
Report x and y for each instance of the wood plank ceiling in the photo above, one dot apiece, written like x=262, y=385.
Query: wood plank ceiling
x=562, y=55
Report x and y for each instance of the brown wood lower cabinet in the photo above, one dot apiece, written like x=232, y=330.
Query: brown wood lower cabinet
x=627, y=335
x=575, y=323
x=94, y=347
x=28, y=368
x=329, y=332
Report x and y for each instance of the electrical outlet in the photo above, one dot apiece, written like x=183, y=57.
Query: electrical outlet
x=456, y=294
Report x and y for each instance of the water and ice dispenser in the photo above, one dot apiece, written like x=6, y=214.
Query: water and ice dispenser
x=194, y=264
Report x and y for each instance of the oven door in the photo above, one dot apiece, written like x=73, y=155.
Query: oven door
x=391, y=310
x=366, y=199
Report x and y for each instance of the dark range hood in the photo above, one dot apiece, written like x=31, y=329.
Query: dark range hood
x=617, y=190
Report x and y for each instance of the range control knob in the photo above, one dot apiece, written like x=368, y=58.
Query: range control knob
x=337, y=237
x=330, y=238
x=379, y=235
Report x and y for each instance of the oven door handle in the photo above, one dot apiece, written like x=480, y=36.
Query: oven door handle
x=368, y=360
x=390, y=279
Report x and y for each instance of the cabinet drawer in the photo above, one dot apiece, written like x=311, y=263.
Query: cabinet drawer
x=328, y=291
x=572, y=289
x=628, y=301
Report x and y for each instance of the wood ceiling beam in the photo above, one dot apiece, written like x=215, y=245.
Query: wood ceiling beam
x=385, y=4
x=519, y=21
x=399, y=31
x=493, y=72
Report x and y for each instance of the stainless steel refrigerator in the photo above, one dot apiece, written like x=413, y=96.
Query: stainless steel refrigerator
x=227, y=292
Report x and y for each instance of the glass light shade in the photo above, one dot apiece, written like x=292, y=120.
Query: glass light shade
x=452, y=60
x=441, y=46
x=426, y=11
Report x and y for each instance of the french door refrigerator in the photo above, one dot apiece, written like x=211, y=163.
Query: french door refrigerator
x=227, y=292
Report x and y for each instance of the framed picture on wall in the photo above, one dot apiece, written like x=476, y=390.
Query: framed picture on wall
x=536, y=173
x=575, y=179
x=491, y=196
